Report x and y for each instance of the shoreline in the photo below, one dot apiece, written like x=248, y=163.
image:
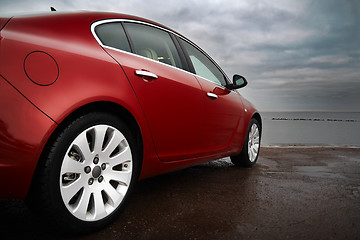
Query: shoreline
x=318, y=146
x=314, y=119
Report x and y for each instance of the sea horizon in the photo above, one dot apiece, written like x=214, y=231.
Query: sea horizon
x=308, y=110
x=311, y=128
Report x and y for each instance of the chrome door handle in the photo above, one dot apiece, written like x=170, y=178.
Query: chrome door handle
x=143, y=73
x=212, y=95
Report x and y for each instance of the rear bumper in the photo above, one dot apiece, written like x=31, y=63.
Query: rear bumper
x=23, y=132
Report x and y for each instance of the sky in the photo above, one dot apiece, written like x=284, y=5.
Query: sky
x=296, y=55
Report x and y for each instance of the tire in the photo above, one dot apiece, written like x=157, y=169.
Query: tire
x=87, y=175
x=251, y=148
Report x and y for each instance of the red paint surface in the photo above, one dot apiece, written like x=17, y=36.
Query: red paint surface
x=22, y=128
x=180, y=126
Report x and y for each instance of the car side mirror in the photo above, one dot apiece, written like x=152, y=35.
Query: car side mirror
x=238, y=82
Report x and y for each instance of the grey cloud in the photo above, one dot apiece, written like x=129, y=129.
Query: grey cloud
x=295, y=54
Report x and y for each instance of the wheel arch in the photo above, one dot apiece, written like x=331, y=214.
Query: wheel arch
x=100, y=106
x=257, y=116
x=112, y=108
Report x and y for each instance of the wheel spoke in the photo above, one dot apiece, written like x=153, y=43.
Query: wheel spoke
x=120, y=158
x=113, y=144
x=99, y=207
x=253, y=129
x=71, y=166
x=83, y=146
x=122, y=189
x=255, y=151
x=251, y=154
x=119, y=176
x=256, y=134
x=100, y=132
x=81, y=209
x=114, y=195
x=70, y=190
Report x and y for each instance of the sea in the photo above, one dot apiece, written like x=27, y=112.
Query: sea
x=311, y=129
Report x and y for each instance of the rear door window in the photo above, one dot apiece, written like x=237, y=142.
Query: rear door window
x=153, y=43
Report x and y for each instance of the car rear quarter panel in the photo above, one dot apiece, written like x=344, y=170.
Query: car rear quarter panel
x=86, y=72
x=23, y=128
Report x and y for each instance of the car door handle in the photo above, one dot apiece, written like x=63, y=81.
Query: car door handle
x=144, y=73
x=212, y=95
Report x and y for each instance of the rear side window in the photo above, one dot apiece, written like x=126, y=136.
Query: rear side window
x=153, y=43
x=113, y=35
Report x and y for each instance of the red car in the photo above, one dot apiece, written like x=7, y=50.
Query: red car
x=92, y=102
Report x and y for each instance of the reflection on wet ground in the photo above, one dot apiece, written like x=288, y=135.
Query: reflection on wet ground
x=295, y=193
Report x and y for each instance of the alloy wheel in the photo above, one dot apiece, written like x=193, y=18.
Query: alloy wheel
x=254, y=142
x=96, y=172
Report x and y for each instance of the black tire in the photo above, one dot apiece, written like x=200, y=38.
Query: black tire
x=253, y=136
x=95, y=204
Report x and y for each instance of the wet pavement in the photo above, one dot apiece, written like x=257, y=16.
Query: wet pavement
x=292, y=193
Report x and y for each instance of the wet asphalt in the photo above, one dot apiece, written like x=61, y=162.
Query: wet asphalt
x=292, y=193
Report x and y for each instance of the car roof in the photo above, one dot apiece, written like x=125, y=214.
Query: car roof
x=88, y=17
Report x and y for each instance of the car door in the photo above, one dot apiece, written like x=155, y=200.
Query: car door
x=223, y=108
x=171, y=98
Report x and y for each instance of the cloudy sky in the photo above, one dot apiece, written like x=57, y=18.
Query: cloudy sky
x=296, y=55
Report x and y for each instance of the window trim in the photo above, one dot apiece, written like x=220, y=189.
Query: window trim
x=186, y=55
x=188, y=67
x=132, y=48
x=182, y=54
